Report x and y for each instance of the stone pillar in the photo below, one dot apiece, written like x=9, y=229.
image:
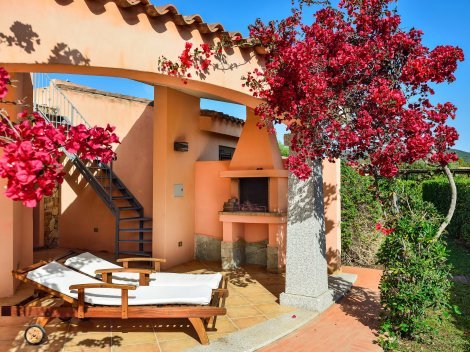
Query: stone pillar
x=306, y=266
x=233, y=254
x=232, y=249
x=51, y=219
x=276, y=248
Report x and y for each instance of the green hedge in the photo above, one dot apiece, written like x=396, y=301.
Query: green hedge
x=437, y=191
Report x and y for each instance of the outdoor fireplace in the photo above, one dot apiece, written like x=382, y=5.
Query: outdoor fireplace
x=254, y=194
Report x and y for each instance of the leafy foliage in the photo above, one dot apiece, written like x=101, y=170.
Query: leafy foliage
x=438, y=192
x=463, y=156
x=284, y=149
x=360, y=211
x=416, y=280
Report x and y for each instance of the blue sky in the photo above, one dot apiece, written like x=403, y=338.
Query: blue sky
x=443, y=22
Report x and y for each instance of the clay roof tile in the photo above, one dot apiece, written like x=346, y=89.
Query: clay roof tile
x=179, y=19
x=220, y=115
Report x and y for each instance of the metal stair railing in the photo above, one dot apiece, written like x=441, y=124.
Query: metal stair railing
x=53, y=103
x=54, y=107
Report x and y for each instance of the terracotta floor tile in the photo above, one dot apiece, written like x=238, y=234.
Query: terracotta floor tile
x=236, y=301
x=46, y=347
x=14, y=321
x=261, y=299
x=174, y=329
x=132, y=324
x=10, y=333
x=79, y=340
x=252, y=290
x=133, y=337
x=243, y=323
x=86, y=349
x=90, y=326
x=347, y=326
x=243, y=312
x=145, y=347
x=177, y=346
x=270, y=308
x=223, y=326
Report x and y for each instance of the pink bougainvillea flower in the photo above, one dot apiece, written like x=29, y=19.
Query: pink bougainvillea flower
x=32, y=153
x=350, y=85
x=4, y=82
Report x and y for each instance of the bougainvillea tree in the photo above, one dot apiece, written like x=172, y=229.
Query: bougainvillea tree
x=355, y=85
x=33, y=150
x=351, y=85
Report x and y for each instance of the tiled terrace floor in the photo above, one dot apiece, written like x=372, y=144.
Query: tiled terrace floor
x=253, y=299
x=348, y=326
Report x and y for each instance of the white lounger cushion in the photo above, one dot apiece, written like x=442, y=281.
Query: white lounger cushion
x=59, y=278
x=88, y=263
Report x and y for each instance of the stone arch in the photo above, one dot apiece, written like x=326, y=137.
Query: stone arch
x=119, y=38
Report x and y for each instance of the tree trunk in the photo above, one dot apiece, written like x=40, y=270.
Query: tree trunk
x=453, y=202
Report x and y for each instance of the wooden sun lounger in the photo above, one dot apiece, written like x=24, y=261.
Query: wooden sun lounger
x=68, y=307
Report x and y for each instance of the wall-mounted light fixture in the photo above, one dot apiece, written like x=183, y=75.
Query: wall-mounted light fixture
x=181, y=146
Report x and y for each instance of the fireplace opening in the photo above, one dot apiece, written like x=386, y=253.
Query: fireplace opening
x=254, y=194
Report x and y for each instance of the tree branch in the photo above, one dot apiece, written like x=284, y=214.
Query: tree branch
x=453, y=203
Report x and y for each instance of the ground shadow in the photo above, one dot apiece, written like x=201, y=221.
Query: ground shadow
x=364, y=305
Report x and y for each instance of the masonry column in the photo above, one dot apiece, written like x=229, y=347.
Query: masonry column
x=306, y=266
x=7, y=241
x=16, y=221
x=332, y=200
x=160, y=171
x=176, y=119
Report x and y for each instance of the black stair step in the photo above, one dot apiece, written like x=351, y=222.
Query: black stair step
x=105, y=178
x=135, y=219
x=136, y=230
x=122, y=198
x=135, y=241
x=138, y=254
x=129, y=208
x=115, y=187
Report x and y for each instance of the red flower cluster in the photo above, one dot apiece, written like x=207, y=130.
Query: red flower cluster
x=33, y=149
x=4, y=82
x=383, y=229
x=356, y=86
x=92, y=143
x=351, y=85
x=199, y=58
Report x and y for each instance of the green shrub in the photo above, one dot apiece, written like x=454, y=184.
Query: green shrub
x=438, y=192
x=360, y=211
x=416, y=277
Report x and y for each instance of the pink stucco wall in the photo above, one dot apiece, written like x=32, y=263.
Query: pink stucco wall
x=211, y=191
x=332, y=201
x=177, y=119
x=16, y=221
x=83, y=212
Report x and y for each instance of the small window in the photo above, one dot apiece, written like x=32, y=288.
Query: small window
x=226, y=153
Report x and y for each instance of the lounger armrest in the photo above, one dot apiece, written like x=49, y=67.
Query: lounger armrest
x=103, y=285
x=125, y=270
x=156, y=262
x=144, y=274
x=81, y=296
